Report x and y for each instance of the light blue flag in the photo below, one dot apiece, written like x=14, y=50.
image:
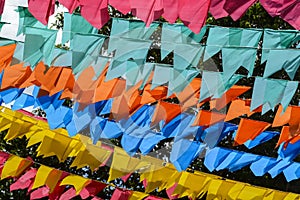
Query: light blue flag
x=287, y=59
x=229, y=160
x=39, y=44
x=263, y=165
x=279, y=167
x=184, y=152
x=85, y=50
x=245, y=160
x=219, y=37
x=213, y=133
x=58, y=118
x=276, y=39
x=5, y=42
x=245, y=57
x=292, y=172
x=261, y=138
x=214, y=157
x=99, y=65
x=149, y=141
x=176, y=34
x=132, y=29
x=289, y=92
x=214, y=85
x=73, y=24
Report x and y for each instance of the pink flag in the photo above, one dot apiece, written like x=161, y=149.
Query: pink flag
x=148, y=11
x=1, y=6
x=217, y=9
x=275, y=7
x=120, y=195
x=40, y=193
x=92, y=189
x=95, y=12
x=171, y=8
x=292, y=15
x=41, y=9
x=121, y=5
x=237, y=8
x=71, y=5
x=69, y=194
x=193, y=13
x=24, y=181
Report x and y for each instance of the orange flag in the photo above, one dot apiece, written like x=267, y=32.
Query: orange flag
x=249, y=129
x=237, y=108
x=284, y=135
x=207, y=118
x=230, y=95
x=15, y=75
x=280, y=118
x=190, y=95
x=165, y=111
x=295, y=120
x=6, y=55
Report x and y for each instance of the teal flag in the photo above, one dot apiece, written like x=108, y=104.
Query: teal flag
x=214, y=85
x=287, y=59
x=85, y=50
x=73, y=24
x=39, y=44
x=219, y=37
x=26, y=19
x=132, y=29
x=187, y=55
x=271, y=92
x=61, y=57
x=162, y=75
x=235, y=57
x=174, y=34
x=180, y=79
x=277, y=39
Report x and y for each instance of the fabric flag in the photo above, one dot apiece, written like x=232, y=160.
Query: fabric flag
x=247, y=58
x=74, y=23
x=147, y=11
x=47, y=176
x=274, y=8
x=281, y=118
x=77, y=181
x=41, y=10
x=2, y=2
x=276, y=39
x=165, y=111
x=122, y=195
x=214, y=85
x=214, y=157
x=217, y=10
x=263, y=165
x=237, y=9
x=286, y=59
x=39, y=43
x=14, y=167
x=219, y=37
x=122, y=165
x=175, y=34
x=26, y=19
x=187, y=55
x=132, y=29
x=86, y=49
x=248, y=130
x=184, y=152
x=207, y=118
x=122, y=6
x=290, y=14
x=193, y=13
x=95, y=12
x=24, y=181
x=71, y=5
x=6, y=55
x=229, y=97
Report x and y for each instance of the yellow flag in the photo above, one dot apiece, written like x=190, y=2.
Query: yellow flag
x=14, y=166
x=250, y=192
x=77, y=181
x=91, y=156
x=123, y=164
x=137, y=195
x=57, y=145
x=47, y=176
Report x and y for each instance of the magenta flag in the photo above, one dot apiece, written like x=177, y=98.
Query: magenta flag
x=71, y=5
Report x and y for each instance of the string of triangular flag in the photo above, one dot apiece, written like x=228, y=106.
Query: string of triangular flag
x=239, y=161
x=192, y=13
